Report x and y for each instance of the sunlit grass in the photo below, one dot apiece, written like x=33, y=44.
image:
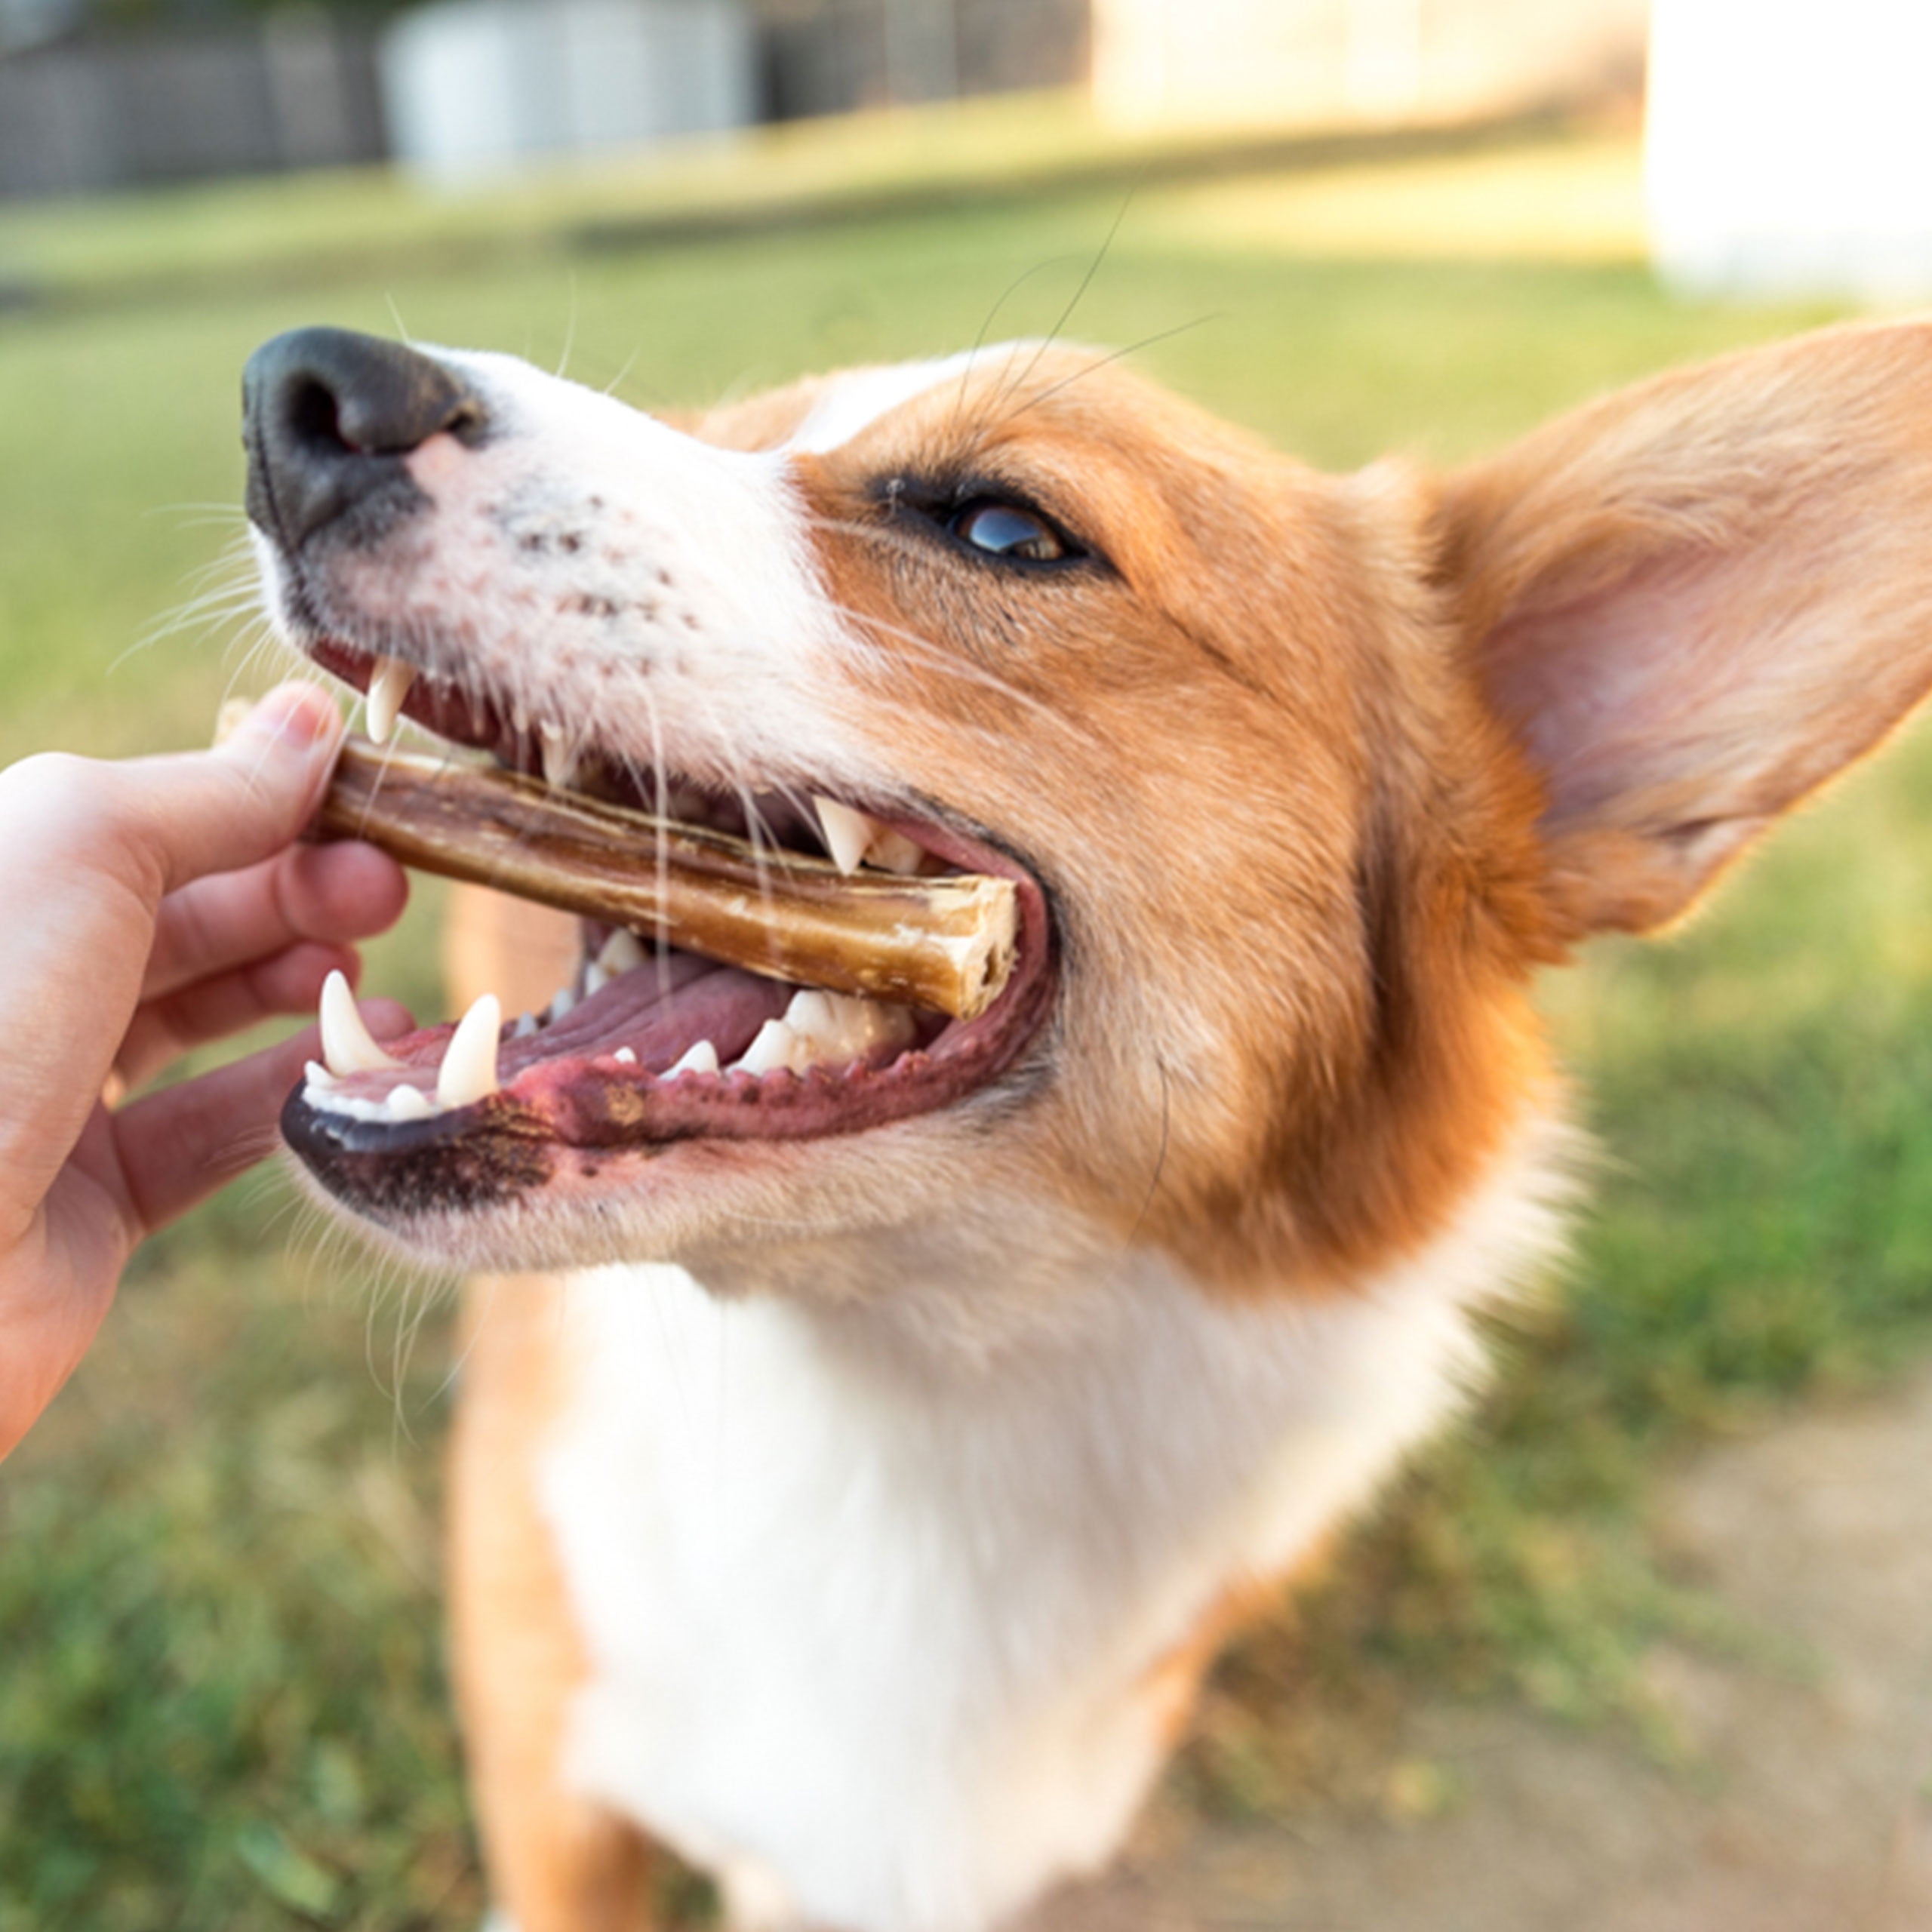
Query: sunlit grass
x=223, y=1702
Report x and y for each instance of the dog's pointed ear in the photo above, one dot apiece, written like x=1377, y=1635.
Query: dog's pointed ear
x=1694, y=601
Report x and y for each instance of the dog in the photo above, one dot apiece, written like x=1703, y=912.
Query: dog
x=871, y=1422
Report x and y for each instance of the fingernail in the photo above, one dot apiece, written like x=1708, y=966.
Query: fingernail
x=299, y=716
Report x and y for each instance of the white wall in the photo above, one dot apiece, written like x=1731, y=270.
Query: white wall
x=1789, y=147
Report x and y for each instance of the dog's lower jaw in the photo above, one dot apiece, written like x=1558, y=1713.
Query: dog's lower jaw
x=890, y=1618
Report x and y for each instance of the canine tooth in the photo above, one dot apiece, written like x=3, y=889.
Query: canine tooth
x=469, y=1071
x=561, y=1002
x=559, y=761
x=624, y=1056
x=348, y=1046
x=775, y=1046
x=595, y=978
x=389, y=686
x=848, y=833
x=525, y=1026
x=700, y=1057
x=408, y=1103
x=620, y=953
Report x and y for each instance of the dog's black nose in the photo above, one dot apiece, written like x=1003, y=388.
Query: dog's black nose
x=327, y=415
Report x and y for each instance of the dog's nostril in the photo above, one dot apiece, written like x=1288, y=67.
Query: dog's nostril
x=326, y=415
x=312, y=416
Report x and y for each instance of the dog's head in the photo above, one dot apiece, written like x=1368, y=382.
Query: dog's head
x=1300, y=778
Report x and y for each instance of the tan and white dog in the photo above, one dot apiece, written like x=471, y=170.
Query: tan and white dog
x=907, y=1407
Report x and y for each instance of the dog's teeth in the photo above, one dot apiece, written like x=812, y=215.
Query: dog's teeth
x=620, y=953
x=624, y=1056
x=854, y=838
x=561, y=1002
x=559, y=761
x=835, y=1029
x=848, y=833
x=894, y=852
x=810, y=1012
x=595, y=979
x=701, y=1057
x=775, y=1046
x=469, y=1071
x=389, y=686
x=408, y=1103
x=525, y=1026
x=348, y=1046
x=315, y=1074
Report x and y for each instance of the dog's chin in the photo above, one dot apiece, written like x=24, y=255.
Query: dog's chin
x=474, y=1206
x=498, y=1200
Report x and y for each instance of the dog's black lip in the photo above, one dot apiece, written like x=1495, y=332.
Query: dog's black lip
x=399, y=1171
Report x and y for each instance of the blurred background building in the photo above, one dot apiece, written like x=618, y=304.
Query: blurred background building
x=1787, y=148
x=98, y=93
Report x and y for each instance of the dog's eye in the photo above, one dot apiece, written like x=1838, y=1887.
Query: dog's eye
x=1005, y=530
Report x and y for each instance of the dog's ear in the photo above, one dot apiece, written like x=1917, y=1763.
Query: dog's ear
x=1694, y=601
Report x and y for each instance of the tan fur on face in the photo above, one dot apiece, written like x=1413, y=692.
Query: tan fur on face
x=1291, y=857
x=1320, y=770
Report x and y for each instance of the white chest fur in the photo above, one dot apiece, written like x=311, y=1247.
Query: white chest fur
x=866, y=1623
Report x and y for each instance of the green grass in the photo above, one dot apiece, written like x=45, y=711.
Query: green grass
x=223, y=1702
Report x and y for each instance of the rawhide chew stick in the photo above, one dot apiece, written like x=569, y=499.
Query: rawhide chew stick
x=943, y=943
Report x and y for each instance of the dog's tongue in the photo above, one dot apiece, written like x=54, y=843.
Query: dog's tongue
x=659, y=1010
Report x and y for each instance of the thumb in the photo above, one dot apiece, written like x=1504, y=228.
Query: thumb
x=219, y=810
x=70, y=826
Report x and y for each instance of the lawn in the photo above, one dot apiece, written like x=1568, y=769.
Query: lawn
x=224, y=1704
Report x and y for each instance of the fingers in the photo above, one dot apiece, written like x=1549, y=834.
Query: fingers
x=150, y=825
x=289, y=982
x=91, y=851
x=177, y=1146
x=329, y=893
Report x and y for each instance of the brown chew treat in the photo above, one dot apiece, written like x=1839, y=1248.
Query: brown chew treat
x=942, y=943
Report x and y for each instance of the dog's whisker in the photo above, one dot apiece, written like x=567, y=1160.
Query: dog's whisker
x=1107, y=361
x=1079, y=294
x=972, y=358
x=623, y=375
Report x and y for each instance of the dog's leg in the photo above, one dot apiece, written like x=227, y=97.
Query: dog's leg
x=557, y=1862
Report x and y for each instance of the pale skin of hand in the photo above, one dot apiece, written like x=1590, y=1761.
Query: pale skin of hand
x=154, y=905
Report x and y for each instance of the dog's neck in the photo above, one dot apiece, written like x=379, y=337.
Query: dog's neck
x=952, y=1297
x=1012, y=1503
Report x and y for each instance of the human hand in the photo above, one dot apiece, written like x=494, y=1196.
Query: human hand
x=153, y=905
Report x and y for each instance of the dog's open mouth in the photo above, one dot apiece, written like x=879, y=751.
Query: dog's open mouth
x=652, y=1043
